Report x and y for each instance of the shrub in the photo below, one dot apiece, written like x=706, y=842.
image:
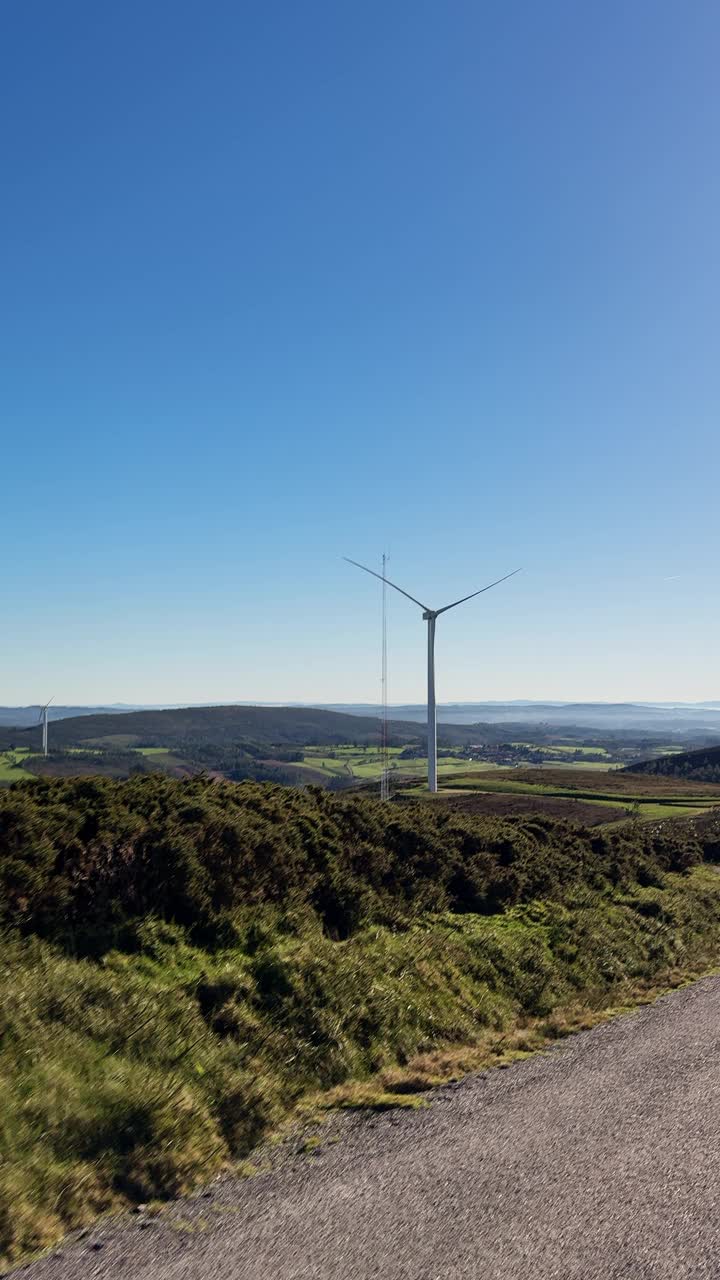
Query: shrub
x=83, y=861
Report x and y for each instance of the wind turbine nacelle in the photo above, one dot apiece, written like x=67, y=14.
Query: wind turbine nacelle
x=428, y=615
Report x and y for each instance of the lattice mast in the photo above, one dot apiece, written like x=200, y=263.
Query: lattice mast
x=384, y=753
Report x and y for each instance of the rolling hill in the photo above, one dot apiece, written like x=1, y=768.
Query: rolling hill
x=226, y=726
x=697, y=766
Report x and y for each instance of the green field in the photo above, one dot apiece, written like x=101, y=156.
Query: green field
x=366, y=765
x=161, y=757
x=652, y=811
x=10, y=761
x=122, y=740
x=333, y=768
x=564, y=750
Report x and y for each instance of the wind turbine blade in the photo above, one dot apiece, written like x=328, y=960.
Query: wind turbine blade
x=477, y=593
x=390, y=584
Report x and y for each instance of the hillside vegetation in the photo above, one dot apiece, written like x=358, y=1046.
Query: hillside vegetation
x=226, y=726
x=192, y=960
x=261, y=743
x=84, y=859
x=591, y=797
x=695, y=766
x=292, y=745
x=616, y=784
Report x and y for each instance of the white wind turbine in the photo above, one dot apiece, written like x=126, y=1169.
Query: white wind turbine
x=43, y=720
x=430, y=616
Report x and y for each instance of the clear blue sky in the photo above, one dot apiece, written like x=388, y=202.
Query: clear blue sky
x=282, y=282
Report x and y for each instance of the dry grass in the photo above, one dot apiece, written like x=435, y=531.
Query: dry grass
x=396, y=1086
x=401, y=1087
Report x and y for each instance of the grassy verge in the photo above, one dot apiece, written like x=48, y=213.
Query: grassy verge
x=139, y=1074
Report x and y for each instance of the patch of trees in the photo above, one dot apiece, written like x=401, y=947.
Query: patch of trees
x=695, y=766
x=240, y=762
x=113, y=761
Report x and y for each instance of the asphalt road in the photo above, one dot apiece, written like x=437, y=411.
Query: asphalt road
x=600, y=1159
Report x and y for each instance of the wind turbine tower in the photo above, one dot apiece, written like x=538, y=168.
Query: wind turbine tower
x=431, y=616
x=44, y=721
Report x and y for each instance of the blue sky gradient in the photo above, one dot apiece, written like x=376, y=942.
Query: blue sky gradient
x=285, y=282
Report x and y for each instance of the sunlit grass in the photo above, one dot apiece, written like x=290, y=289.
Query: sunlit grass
x=11, y=765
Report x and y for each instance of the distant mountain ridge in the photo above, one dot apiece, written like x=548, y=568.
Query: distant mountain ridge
x=592, y=715
x=655, y=717
x=224, y=725
x=22, y=717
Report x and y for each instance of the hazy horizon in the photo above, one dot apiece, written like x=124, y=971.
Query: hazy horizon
x=370, y=702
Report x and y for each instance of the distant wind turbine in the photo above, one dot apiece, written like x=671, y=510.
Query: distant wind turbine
x=43, y=720
x=430, y=616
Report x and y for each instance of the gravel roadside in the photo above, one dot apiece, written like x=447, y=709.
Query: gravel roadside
x=600, y=1158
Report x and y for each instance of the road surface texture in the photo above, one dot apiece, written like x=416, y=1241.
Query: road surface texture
x=599, y=1159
